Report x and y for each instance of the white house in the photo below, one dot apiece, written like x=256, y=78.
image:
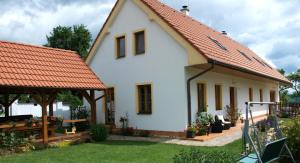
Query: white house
x=59, y=109
x=152, y=57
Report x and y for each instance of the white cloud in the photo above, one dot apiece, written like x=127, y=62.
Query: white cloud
x=31, y=23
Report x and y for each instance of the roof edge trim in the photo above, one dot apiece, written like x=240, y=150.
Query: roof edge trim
x=246, y=71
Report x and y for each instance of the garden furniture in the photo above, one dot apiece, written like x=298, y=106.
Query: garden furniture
x=217, y=126
x=73, y=131
x=271, y=153
x=15, y=118
x=226, y=124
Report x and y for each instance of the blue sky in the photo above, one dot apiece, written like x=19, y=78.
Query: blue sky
x=271, y=28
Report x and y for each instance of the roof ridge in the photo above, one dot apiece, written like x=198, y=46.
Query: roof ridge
x=37, y=46
x=188, y=16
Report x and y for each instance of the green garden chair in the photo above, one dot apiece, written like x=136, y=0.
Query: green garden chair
x=271, y=153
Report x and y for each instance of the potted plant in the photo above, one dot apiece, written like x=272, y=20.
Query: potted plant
x=33, y=122
x=232, y=115
x=203, y=122
x=191, y=132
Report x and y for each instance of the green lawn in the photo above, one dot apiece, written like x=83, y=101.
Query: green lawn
x=286, y=121
x=111, y=151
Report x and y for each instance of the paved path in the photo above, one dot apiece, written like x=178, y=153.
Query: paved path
x=222, y=139
x=218, y=141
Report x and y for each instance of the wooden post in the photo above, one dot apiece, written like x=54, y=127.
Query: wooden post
x=44, y=120
x=44, y=101
x=92, y=101
x=6, y=106
x=93, y=107
x=7, y=103
x=51, y=108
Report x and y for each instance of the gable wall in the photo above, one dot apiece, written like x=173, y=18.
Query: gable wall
x=162, y=66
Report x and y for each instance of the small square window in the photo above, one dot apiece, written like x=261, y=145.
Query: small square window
x=139, y=42
x=120, y=47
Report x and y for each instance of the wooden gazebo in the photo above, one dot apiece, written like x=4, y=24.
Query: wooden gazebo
x=44, y=72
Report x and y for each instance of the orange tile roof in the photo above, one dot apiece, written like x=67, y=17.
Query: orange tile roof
x=197, y=34
x=41, y=67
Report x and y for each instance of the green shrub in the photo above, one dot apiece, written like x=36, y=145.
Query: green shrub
x=202, y=156
x=99, y=132
x=292, y=131
x=10, y=140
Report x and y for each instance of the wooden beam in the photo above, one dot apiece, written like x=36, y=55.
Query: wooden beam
x=44, y=101
x=6, y=106
x=44, y=104
x=51, y=108
x=74, y=121
x=38, y=99
x=93, y=107
x=51, y=98
x=14, y=99
x=91, y=100
x=51, y=101
x=100, y=97
x=87, y=97
x=7, y=102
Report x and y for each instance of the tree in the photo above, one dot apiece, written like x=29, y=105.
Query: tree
x=76, y=38
x=283, y=92
x=294, y=77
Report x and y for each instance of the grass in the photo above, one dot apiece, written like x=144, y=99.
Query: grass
x=112, y=151
x=286, y=121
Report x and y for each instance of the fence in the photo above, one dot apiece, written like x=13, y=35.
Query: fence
x=289, y=109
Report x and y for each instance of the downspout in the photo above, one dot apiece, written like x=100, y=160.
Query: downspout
x=189, y=91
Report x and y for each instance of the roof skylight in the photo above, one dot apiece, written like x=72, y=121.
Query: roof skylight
x=267, y=65
x=259, y=61
x=218, y=43
x=243, y=54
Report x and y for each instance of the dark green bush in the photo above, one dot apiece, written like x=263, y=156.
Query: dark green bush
x=99, y=132
x=292, y=131
x=203, y=156
x=10, y=140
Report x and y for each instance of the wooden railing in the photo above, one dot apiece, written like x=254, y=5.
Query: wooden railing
x=75, y=120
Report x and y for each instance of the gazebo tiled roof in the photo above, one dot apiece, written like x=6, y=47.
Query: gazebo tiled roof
x=42, y=67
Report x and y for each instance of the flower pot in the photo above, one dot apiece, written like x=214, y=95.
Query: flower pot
x=202, y=131
x=190, y=134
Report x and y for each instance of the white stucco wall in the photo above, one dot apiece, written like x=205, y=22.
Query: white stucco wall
x=162, y=66
x=242, y=86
